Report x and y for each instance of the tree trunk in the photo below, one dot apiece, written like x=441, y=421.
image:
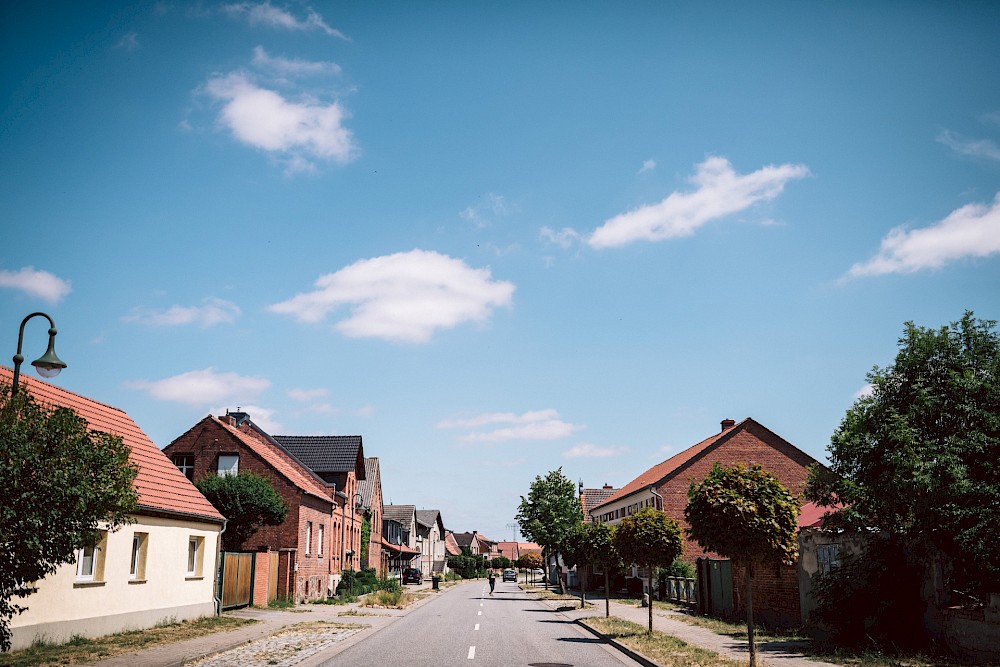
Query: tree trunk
x=559, y=576
x=650, y=595
x=607, y=592
x=753, y=648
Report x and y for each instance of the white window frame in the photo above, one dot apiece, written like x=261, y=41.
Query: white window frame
x=319, y=543
x=195, y=555
x=309, y=537
x=185, y=463
x=86, y=556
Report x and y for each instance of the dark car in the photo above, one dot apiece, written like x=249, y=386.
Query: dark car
x=510, y=575
x=412, y=575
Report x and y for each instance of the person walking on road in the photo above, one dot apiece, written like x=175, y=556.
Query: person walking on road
x=493, y=581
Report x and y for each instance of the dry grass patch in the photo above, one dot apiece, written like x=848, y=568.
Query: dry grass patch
x=80, y=650
x=665, y=650
x=356, y=612
x=390, y=599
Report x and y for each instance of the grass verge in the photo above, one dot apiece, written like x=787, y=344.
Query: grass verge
x=80, y=650
x=663, y=649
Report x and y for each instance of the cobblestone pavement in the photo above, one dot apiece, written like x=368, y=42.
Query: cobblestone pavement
x=284, y=649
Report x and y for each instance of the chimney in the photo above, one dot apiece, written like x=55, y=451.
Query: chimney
x=237, y=418
x=728, y=423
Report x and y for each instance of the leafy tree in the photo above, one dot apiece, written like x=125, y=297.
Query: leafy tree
x=530, y=561
x=914, y=464
x=549, y=513
x=574, y=550
x=748, y=516
x=60, y=482
x=593, y=544
x=247, y=500
x=366, y=536
x=500, y=563
x=649, y=538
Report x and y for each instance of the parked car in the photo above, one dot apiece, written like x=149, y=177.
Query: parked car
x=412, y=575
x=510, y=575
x=537, y=572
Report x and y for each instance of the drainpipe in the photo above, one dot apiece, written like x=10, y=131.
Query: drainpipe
x=218, y=567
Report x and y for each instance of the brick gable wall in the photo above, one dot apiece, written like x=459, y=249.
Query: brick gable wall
x=750, y=445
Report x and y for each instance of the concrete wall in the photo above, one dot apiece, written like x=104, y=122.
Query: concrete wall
x=114, y=602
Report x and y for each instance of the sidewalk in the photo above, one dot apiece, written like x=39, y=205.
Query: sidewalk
x=776, y=653
x=257, y=644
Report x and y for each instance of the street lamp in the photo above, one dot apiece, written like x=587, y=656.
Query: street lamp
x=48, y=365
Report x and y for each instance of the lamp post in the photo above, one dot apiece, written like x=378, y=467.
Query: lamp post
x=48, y=365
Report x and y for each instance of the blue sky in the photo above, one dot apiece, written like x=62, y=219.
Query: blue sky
x=495, y=239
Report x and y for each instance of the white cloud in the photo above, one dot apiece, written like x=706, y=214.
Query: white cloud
x=262, y=417
x=866, y=390
x=212, y=311
x=41, y=284
x=564, y=238
x=307, y=394
x=482, y=214
x=647, y=165
x=295, y=67
x=719, y=192
x=970, y=231
x=202, y=387
x=294, y=131
x=974, y=148
x=533, y=425
x=264, y=13
x=586, y=450
x=404, y=297
x=129, y=41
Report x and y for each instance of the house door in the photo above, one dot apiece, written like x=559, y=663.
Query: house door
x=272, y=578
x=237, y=579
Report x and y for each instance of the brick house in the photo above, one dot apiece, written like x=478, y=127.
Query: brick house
x=370, y=489
x=157, y=569
x=233, y=443
x=339, y=461
x=665, y=487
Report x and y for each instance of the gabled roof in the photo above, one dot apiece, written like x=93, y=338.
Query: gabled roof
x=403, y=514
x=450, y=545
x=464, y=539
x=366, y=486
x=255, y=439
x=591, y=498
x=326, y=453
x=655, y=475
x=161, y=486
x=429, y=517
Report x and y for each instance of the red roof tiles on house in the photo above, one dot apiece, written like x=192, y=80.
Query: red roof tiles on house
x=161, y=486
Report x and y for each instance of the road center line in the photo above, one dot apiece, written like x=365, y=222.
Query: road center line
x=479, y=613
x=477, y=626
x=472, y=652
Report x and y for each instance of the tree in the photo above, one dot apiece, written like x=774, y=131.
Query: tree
x=748, y=516
x=594, y=545
x=366, y=536
x=549, y=513
x=247, y=500
x=61, y=482
x=914, y=461
x=530, y=561
x=649, y=538
x=574, y=550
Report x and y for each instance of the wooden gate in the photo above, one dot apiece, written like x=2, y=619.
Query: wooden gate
x=272, y=577
x=715, y=587
x=237, y=579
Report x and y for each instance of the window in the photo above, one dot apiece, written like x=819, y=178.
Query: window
x=319, y=544
x=137, y=567
x=309, y=536
x=90, y=560
x=185, y=463
x=196, y=555
x=229, y=464
x=827, y=557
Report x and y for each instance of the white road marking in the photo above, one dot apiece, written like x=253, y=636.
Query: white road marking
x=479, y=613
x=472, y=652
x=477, y=626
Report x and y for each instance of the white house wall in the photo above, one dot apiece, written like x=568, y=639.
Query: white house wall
x=62, y=607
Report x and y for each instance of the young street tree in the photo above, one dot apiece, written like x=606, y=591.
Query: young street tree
x=649, y=538
x=549, y=513
x=915, y=460
x=247, y=500
x=598, y=550
x=748, y=516
x=61, y=482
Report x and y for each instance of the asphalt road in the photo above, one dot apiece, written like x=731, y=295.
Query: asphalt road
x=464, y=625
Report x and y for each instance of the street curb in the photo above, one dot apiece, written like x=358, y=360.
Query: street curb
x=630, y=652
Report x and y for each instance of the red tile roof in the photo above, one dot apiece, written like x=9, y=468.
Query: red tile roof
x=292, y=469
x=659, y=471
x=811, y=514
x=161, y=486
